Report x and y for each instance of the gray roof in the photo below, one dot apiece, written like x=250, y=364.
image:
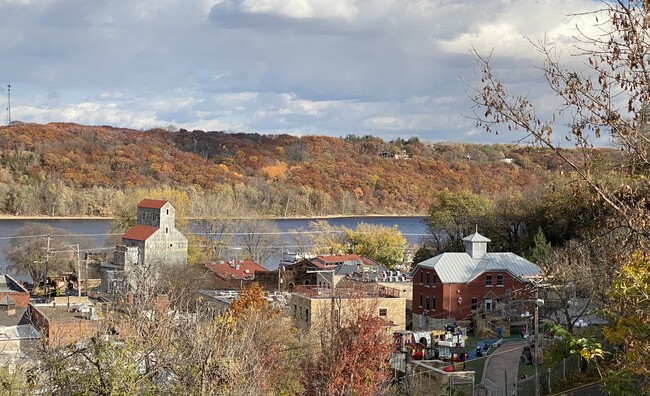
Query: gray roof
x=476, y=237
x=462, y=268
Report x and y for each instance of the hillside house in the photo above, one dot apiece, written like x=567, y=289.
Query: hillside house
x=17, y=333
x=455, y=285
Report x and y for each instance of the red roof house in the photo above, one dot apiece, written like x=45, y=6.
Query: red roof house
x=239, y=270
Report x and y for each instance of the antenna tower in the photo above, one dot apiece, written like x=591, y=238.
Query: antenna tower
x=8, y=104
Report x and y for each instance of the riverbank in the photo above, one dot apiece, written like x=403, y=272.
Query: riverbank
x=21, y=218
x=325, y=217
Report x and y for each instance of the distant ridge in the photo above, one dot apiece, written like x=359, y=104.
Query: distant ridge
x=279, y=175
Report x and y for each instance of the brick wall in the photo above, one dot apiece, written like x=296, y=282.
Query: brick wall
x=21, y=298
x=62, y=331
x=455, y=300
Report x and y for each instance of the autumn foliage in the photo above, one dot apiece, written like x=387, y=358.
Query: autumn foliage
x=354, y=347
x=68, y=169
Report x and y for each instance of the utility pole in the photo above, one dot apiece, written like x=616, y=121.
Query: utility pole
x=47, y=263
x=536, y=354
x=538, y=282
x=76, y=250
x=8, y=104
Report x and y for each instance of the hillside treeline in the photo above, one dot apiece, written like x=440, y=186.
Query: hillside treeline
x=62, y=169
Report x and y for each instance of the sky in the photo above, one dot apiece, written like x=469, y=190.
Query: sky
x=389, y=68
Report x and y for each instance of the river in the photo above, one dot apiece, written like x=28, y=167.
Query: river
x=412, y=228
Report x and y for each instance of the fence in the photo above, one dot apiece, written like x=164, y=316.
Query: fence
x=428, y=377
x=491, y=389
x=548, y=377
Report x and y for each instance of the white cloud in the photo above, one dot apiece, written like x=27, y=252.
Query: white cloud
x=301, y=9
x=385, y=67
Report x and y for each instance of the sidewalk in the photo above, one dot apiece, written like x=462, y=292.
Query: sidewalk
x=504, y=362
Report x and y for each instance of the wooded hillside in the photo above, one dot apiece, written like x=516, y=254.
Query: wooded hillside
x=69, y=169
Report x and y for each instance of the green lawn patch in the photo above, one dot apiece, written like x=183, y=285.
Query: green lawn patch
x=527, y=370
x=477, y=366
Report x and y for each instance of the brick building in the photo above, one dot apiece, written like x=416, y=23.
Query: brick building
x=11, y=288
x=62, y=325
x=454, y=285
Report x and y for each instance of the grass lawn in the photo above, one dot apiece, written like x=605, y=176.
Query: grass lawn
x=526, y=369
x=477, y=366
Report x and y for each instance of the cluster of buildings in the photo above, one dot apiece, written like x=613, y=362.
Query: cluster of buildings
x=472, y=288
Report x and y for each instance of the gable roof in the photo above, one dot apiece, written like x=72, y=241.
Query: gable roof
x=152, y=203
x=9, y=284
x=139, y=232
x=462, y=268
x=246, y=270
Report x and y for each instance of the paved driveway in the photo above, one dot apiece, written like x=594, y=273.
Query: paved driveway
x=504, y=362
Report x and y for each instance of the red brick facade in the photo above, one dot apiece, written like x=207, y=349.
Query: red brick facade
x=60, y=328
x=459, y=300
x=21, y=298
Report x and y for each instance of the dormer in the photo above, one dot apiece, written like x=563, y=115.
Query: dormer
x=476, y=245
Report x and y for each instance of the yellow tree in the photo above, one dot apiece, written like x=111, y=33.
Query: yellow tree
x=630, y=327
x=602, y=92
x=383, y=244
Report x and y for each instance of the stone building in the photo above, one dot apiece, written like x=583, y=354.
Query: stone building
x=151, y=243
x=155, y=236
x=311, y=305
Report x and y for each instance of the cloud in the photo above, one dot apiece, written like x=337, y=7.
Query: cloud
x=294, y=9
x=385, y=67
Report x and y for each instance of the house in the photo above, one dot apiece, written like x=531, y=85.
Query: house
x=236, y=273
x=65, y=325
x=324, y=271
x=152, y=242
x=455, y=285
x=12, y=289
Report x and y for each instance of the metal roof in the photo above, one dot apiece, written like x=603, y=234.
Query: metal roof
x=462, y=268
x=152, y=203
x=476, y=237
x=139, y=232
